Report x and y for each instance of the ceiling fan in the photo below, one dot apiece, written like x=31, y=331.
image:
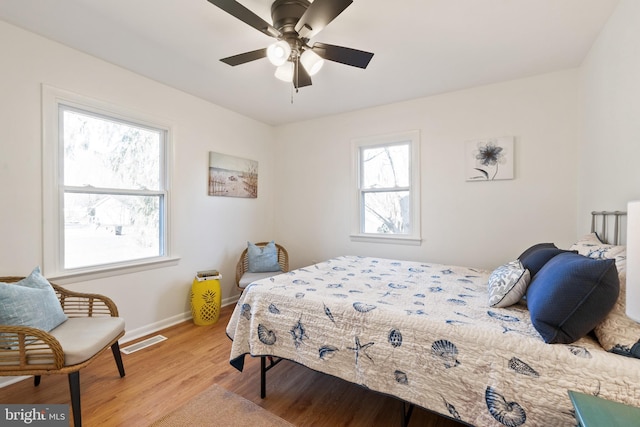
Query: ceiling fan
x=295, y=22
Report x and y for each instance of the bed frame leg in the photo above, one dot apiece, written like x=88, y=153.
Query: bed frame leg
x=406, y=413
x=263, y=372
x=263, y=377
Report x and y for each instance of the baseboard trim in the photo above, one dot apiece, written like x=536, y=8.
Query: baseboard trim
x=137, y=333
x=11, y=380
x=134, y=334
x=166, y=323
x=229, y=301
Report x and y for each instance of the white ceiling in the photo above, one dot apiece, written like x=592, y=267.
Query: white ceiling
x=422, y=47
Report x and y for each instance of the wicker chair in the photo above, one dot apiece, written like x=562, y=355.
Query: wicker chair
x=242, y=267
x=30, y=351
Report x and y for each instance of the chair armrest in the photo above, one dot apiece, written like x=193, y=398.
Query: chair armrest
x=79, y=304
x=241, y=266
x=24, y=349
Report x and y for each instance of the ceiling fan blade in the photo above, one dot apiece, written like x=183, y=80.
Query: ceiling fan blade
x=344, y=55
x=234, y=8
x=300, y=76
x=318, y=15
x=243, y=58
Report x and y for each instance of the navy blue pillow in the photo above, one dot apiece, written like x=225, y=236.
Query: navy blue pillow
x=534, y=248
x=534, y=258
x=570, y=295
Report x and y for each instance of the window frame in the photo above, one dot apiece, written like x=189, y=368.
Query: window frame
x=53, y=186
x=414, y=237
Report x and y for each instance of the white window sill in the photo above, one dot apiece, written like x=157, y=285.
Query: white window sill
x=386, y=238
x=82, y=275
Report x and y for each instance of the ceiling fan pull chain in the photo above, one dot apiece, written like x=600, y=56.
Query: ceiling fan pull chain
x=297, y=72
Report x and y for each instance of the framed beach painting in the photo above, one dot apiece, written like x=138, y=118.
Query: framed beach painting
x=489, y=159
x=232, y=176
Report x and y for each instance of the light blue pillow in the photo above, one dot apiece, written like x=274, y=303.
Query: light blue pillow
x=30, y=302
x=263, y=259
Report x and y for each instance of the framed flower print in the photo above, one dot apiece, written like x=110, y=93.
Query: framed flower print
x=489, y=159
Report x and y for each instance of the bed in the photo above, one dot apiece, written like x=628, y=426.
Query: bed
x=426, y=334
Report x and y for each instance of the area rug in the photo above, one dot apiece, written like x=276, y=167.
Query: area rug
x=220, y=408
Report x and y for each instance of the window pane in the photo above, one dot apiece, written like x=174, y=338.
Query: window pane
x=105, y=153
x=386, y=166
x=387, y=212
x=103, y=229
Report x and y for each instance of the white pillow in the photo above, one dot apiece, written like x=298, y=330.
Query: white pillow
x=591, y=246
x=508, y=284
x=617, y=333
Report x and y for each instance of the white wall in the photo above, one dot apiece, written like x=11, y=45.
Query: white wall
x=208, y=232
x=576, y=146
x=481, y=224
x=610, y=144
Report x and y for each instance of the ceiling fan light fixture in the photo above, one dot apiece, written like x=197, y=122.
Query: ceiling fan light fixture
x=279, y=52
x=311, y=61
x=295, y=23
x=285, y=72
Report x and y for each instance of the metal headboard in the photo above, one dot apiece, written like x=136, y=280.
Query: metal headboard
x=601, y=222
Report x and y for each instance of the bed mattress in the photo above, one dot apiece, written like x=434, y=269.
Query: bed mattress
x=425, y=333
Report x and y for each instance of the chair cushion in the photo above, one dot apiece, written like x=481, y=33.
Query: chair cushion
x=83, y=337
x=30, y=302
x=261, y=259
x=248, y=278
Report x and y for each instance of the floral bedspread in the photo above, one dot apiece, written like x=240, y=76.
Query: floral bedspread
x=425, y=334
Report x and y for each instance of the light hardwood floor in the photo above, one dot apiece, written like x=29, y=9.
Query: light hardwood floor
x=163, y=377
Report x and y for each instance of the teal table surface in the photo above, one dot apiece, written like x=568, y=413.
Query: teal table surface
x=592, y=411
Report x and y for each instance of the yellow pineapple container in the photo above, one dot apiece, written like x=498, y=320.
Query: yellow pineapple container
x=205, y=299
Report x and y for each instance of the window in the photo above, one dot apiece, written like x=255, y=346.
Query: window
x=105, y=186
x=386, y=175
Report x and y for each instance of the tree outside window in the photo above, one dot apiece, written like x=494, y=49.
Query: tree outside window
x=388, y=186
x=385, y=189
x=113, y=193
x=105, y=185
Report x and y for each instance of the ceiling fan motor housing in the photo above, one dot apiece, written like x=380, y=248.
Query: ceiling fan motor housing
x=286, y=14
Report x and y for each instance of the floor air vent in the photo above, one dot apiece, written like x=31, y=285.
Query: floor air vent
x=143, y=344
